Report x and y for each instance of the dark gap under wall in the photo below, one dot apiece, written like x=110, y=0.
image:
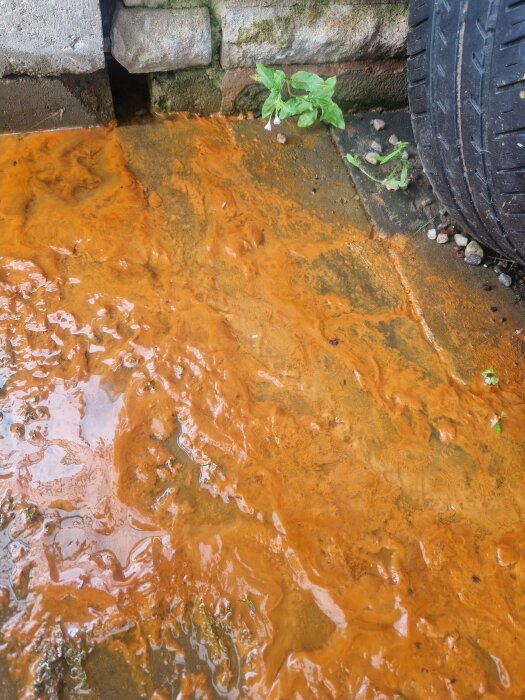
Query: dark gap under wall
x=130, y=93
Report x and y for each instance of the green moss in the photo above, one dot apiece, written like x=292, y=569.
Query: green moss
x=278, y=31
x=195, y=90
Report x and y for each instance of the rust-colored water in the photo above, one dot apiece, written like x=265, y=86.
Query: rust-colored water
x=234, y=461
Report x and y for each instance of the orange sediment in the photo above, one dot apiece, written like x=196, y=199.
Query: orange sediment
x=229, y=437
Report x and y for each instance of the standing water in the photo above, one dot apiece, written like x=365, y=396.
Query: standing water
x=235, y=461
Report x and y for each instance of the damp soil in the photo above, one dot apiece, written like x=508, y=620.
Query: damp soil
x=238, y=459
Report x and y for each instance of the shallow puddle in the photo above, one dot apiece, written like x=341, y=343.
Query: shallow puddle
x=235, y=462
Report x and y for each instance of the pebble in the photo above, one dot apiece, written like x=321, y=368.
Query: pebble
x=372, y=157
x=432, y=234
x=376, y=146
x=393, y=140
x=281, y=138
x=473, y=259
x=460, y=240
x=505, y=280
x=442, y=238
x=378, y=124
x=474, y=248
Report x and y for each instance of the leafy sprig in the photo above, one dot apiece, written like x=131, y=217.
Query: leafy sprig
x=304, y=94
x=491, y=378
x=397, y=179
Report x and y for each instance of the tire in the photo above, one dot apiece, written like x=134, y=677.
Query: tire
x=466, y=72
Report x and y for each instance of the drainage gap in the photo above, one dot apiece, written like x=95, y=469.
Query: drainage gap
x=130, y=93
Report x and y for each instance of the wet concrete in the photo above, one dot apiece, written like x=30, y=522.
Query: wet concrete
x=246, y=447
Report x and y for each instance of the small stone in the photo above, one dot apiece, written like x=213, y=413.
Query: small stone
x=432, y=234
x=473, y=259
x=372, y=157
x=505, y=280
x=460, y=240
x=154, y=200
x=378, y=124
x=333, y=341
x=474, y=248
x=393, y=140
x=281, y=138
x=442, y=238
x=376, y=146
x=404, y=155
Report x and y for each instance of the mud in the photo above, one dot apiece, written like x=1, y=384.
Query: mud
x=238, y=457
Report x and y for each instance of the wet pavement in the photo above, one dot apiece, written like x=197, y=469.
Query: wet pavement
x=245, y=445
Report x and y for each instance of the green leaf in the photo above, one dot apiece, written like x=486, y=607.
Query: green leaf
x=354, y=160
x=270, y=77
x=396, y=153
x=332, y=113
x=294, y=106
x=270, y=104
x=307, y=118
x=303, y=80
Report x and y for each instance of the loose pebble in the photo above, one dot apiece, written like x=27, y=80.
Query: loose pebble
x=376, y=146
x=505, y=280
x=393, y=140
x=474, y=248
x=442, y=238
x=154, y=200
x=372, y=157
x=378, y=124
x=473, y=259
x=281, y=138
x=432, y=234
x=460, y=240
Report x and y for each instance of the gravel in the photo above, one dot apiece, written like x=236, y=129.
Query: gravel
x=460, y=240
x=378, y=124
x=474, y=248
x=442, y=238
x=473, y=259
x=432, y=234
x=505, y=280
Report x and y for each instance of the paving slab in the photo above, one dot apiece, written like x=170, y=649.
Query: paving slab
x=62, y=102
x=391, y=212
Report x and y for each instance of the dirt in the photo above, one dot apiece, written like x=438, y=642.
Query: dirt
x=246, y=447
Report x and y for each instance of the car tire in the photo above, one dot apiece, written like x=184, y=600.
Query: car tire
x=466, y=73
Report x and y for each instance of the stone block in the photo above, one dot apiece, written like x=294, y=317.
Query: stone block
x=360, y=84
x=196, y=90
x=50, y=37
x=306, y=32
x=148, y=40
x=71, y=101
x=207, y=91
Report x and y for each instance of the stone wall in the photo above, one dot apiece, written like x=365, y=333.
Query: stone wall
x=52, y=65
x=200, y=54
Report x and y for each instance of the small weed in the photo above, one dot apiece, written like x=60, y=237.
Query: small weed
x=304, y=94
x=496, y=422
x=31, y=514
x=397, y=179
x=491, y=378
x=249, y=603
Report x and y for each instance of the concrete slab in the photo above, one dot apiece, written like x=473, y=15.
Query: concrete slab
x=390, y=212
x=50, y=37
x=38, y=104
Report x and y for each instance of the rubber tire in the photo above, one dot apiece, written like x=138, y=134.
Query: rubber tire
x=466, y=70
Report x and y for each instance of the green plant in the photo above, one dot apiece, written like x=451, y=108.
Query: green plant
x=490, y=377
x=397, y=178
x=304, y=94
x=496, y=422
